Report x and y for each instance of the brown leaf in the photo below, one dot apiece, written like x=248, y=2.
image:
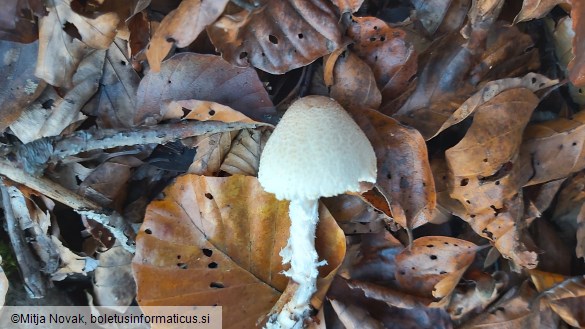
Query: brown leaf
x=181, y=27
x=531, y=81
x=404, y=174
x=431, y=13
x=392, y=59
x=577, y=64
x=219, y=239
x=532, y=9
x=202, y=77
x=107, y=183
x=353, y=316
x=433, y=265
x=563, y=35
x=566, y=299
x=487, y=176
x=113, y=284
x=278, y=36
x=243, y=157
x=580, y=248
x=202, y=111
x=554, y=148
x=65, y=38
x=20, y=85
x=354, y=86
x=477, y=294
x=211, y=152
x=17, y=20
x=51, y=114
x=348, y=6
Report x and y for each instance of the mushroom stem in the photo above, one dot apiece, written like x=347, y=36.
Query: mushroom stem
x=301, y=254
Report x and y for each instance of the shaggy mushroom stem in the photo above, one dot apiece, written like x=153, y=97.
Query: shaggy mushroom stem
x=301, y=254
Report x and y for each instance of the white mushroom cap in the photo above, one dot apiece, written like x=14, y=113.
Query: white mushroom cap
x=316, y=150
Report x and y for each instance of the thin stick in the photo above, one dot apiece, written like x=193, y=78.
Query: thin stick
x=113, y=221
x=34, y=156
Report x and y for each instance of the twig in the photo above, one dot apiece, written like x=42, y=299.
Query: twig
x=35, y=156
x=33, y=280
x=113, y=221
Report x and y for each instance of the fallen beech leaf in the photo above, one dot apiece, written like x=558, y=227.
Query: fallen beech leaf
x=278, y=36
x=577, y=64
x=566, y=299
x=514, y=310
x=17, y=69
x=203, y=77
x=431, y=13
x=486, y=176
x=404, y=174
x=354, y=86
x=17, y=21
x=211, y=152
x=203, y=111
x=545, y=280
x=355, y=317
x=433, y=265
x=117, y=93
x=348, y=6
x=71, y=263
x=532, y=9
x=243, y=157
x=570, y=200
x=475, y=296
x=374, y=259
x=531, y=81
x=113, y=284
x=563, y=35
x=52, y=114
x=107, y=183
x=219, y=239
x=392, y=59
x=60, y=53
x=181, y=27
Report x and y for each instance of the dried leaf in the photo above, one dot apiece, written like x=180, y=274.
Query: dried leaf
x=487, y=176
x=71, y=263
x=243, y=157
x=404, y=174
x=60, y=53
x=113, y=284
x=181, y=26
x=431, y=13
x=20, y=86
x=566, y=299
x=202, y=77
x=355, y=317
x=433, y=265
x=532, y=9
x=278, y=36
x=202, y=111
x=476, y=295
x=211, y=152
x=4, y=285
x=348, y=6
x=392, y=59
x=219, y=239
x=107, y=183
x=554, y=148
x=563, y=35
x=354, y=86
x=17, y=20
x=580, y=248
x=577, y=64
x=51, y=114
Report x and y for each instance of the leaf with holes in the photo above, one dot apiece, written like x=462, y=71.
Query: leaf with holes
x=391, y=57
x=554, y=148
x=486, y=175
x=65, y=38
x=204, y=77
x=193, y=109
x=278, y=36
x=434, y=265
x=404, y=174
x=181, y=27
x=219, y=239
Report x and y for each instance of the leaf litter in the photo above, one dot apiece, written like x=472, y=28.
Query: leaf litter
x=132, y=135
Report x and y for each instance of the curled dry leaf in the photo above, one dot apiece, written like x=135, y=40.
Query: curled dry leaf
x=71, y=263
x=17, y=20
x=563, y=35
x=404, y=174
x=203, y=111
x=113, y=283
x=433, y=265
x=52, y=114
x=477, y=294
x=60, y=52
x=243, y=157
x=17, y=69
x=181, y=26
x=353, y=316
x=348, y=6
x=392, y=59
x=278, y=36
x=431, y=13
x=566, y=299
x=532, y=9
x=554, y=149
x=219, y=239
x=577, y=64
x=354, y=85
x=211, y=152
x=204, y=77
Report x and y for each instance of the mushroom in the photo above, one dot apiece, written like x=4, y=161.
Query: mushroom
x=316, y=150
